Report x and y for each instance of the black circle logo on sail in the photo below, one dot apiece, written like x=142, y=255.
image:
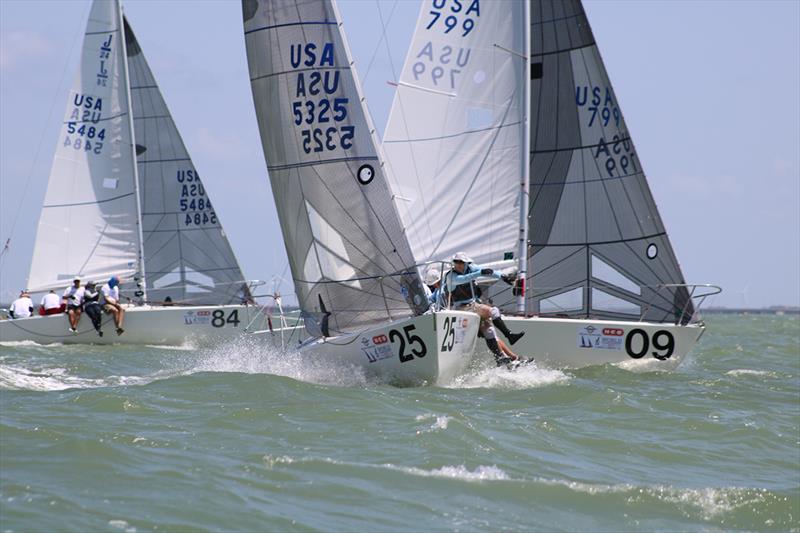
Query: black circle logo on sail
x=652, y=251
x=365, y=174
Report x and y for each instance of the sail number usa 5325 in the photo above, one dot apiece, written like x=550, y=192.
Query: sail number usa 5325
x=318, y=112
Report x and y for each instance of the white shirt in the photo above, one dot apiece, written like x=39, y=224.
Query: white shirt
x=22, y=307
x=108, y=292
x=51, y=301
x=74, y=295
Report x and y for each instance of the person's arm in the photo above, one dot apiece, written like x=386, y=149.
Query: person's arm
x=487, y=272
x=459, y=279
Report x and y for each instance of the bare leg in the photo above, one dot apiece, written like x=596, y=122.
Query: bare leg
x=506, y=350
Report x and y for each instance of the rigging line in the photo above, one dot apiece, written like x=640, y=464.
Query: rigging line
x=21, y=201
x=383, y=37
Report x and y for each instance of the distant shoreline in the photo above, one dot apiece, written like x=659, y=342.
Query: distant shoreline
x=750, y=311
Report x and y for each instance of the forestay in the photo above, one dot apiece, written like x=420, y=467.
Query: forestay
x=454, y=140
x=187, y=255
x=88, y=225
x=340, y=226
x=598, y=245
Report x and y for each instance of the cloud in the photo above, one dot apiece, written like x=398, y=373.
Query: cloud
x=19, y=46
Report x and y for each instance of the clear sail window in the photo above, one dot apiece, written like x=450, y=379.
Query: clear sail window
x=602, y=301
x=571, y=300
x=605, y=272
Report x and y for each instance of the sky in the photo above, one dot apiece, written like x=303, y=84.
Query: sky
x=710, y=91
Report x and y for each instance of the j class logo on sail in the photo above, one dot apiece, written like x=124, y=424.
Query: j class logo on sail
x=193, y=203
x=319, y=114
x=454, y=15
x=81, y=132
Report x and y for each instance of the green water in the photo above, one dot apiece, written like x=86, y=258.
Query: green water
x=241, y=439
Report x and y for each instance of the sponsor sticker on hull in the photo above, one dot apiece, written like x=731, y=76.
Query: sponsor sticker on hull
x=197, y=318
x=376, y=348
x=595, y=338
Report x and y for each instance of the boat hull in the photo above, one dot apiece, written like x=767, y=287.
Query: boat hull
x=575, y=343
x=422, y=350
x=169, y=326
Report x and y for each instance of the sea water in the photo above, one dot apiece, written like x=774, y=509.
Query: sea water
x=241, y=438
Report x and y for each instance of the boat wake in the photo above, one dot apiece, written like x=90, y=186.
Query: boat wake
x=250, y=356
x=525, y=377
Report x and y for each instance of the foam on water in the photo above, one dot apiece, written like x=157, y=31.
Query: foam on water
x=440, y=422
x=459, y=472
x=524, y=377
x=54, y=379
x=246, y=356
x=749, y=372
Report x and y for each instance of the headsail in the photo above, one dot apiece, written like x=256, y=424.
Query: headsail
x=88, y=225
x=342, y=233
x=598, y=245
x=454, y=140
x=187, y=255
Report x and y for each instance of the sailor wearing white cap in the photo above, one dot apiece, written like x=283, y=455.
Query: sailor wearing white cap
x=460, y=286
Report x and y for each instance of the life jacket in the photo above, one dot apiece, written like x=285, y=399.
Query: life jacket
x=462, y=292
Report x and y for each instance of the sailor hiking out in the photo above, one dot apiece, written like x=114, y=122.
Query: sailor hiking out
x=461, y=291
x=91, y=306
x=112, y=306
x=73, y=298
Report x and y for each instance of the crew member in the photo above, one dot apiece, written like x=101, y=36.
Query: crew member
x=51, y=304
x=461, y=291
x=73, y=298
x=22, y=307
x=112, y=306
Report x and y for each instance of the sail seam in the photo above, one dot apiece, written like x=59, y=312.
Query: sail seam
x=290, y=166
x=89, y=203
x=95, y=121
x=592, y=243
x=290, y=24
x=468, y=132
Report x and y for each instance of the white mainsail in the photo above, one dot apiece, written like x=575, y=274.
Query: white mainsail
x=89, y=221
x=347, y=251
x=186, y=253
x=455, y=135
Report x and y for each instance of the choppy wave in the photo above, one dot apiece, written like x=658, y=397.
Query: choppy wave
x=55, y=379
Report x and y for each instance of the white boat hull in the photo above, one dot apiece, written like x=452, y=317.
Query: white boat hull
x=574, y=343
x=172, y=326
x=426, y=349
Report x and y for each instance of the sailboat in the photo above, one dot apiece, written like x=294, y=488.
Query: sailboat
x=124, y=199
x=506, y=134
x=362, y=298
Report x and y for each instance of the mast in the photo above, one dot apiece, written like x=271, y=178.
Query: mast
x=140, y=283
x=524, y=192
